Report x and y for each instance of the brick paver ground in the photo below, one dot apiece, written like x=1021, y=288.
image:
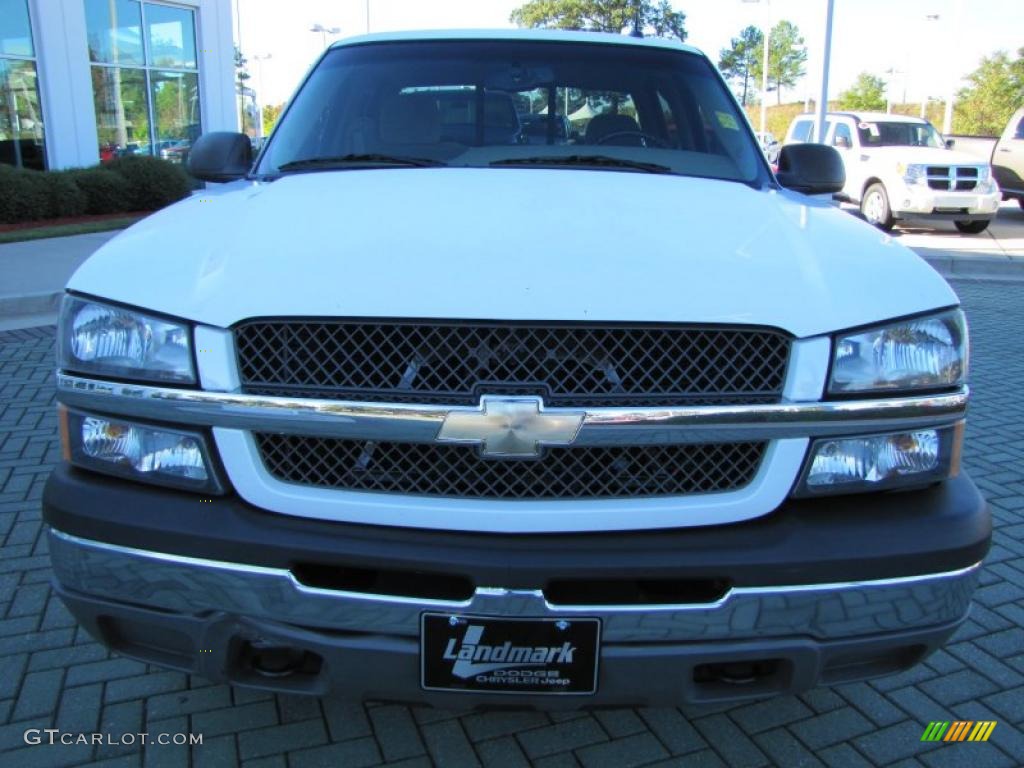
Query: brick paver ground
x=52, y=675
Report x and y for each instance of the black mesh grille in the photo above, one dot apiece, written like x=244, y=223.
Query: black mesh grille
x=455, y=362
x=560, y=473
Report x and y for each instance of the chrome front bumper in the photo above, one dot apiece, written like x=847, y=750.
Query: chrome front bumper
x=821, y=611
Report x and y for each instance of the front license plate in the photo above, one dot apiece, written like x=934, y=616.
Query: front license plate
x=496, y=655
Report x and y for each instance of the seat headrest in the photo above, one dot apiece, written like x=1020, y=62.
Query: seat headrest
x=607, y=124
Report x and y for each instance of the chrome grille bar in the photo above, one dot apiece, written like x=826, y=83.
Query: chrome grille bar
x=405, y=422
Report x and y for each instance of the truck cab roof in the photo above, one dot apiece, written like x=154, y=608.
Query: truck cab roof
x=552, y=35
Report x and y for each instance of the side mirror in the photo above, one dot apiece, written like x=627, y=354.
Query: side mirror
x=813, y=169
x=220, y=156
x=950, y=143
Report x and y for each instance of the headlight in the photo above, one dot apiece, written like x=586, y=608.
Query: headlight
x=123, y=343
x=880, y=462
x=986, y=183
x=922, y=353
x=912, y=173
x=142, y=452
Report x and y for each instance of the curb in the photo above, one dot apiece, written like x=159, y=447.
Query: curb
x=30, y=304
x=976, y=267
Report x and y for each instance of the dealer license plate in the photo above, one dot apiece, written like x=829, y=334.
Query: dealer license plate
x=485, y=654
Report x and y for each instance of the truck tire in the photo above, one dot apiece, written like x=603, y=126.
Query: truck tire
x=875, y=207
x=972, y=227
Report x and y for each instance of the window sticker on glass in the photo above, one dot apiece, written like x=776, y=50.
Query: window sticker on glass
x=872, y=128
x=727, y=121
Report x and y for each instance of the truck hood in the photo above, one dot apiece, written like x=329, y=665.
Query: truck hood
x=508, y=244
x=922, y=155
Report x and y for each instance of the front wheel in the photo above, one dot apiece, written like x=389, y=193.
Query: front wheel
x=972, y=227
x=875, y=207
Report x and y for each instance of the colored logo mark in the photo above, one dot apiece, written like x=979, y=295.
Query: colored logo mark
x=958, y=730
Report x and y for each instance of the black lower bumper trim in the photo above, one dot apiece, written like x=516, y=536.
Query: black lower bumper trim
x=828, y=540
x=365, y=666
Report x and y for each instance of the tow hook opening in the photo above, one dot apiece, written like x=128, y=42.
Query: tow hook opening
x=263, y=659
x=756, y=676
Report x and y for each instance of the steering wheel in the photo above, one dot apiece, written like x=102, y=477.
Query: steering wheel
x=644, y=137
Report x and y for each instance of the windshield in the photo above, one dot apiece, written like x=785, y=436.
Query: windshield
x=895, y=134
x=514, y=103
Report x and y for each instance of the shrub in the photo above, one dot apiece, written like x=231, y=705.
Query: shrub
x=105, y=191
x=154, y=183
x=23, y=195
x=65, y=198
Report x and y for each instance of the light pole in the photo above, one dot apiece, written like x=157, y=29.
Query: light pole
x=924, y=96
x=259, y=58
x=766, y=32
x=892, y=72
x=947, y=115
x=324, y=32
x=367, y=16
x=822, y=107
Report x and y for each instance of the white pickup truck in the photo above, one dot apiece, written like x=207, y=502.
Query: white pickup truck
x=414, y=410
x=900, y=168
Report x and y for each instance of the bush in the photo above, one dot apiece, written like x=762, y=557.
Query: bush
x=105, y=192
x=24, y=195
x=127, y=184
x=65, y=198
x=154, y=183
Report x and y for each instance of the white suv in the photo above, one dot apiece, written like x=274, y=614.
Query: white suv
x=900, y=167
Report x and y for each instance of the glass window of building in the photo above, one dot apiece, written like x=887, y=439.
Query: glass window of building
x=145, y=78
x=22, y=142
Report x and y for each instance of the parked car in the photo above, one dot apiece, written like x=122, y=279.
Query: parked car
x=1008, y=159
x=175, y=151
x=475, y=423
x=770, y=145
x=900, y=168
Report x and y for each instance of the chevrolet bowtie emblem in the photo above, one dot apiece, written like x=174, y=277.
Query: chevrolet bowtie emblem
x=511, y=426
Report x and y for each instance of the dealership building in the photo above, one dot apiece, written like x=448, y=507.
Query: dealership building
x=82, y=81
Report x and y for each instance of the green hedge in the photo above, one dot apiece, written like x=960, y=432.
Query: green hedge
x=154, y=183
x=127, y=184
x=105, y=192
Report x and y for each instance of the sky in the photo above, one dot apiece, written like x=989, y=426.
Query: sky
x=868, y=35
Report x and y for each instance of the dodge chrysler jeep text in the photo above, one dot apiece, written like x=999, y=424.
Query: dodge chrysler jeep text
x=509, y=374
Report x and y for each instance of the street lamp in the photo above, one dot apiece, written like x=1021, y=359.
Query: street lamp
x=259, y=58
x=324, y=32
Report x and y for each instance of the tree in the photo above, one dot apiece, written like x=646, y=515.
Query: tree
x=270, y=114
x=738, y=60
x=241, y=69
x=244, y=92
x=867, y=93
x=786, y=57
x=655, y=16
x=994, y=91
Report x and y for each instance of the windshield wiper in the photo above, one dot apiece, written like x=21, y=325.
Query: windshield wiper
x=357, y=161
x=591, y=161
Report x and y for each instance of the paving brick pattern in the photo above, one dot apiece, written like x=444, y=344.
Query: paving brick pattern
x=52, y=675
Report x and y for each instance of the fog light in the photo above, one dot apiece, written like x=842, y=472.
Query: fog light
x=140, y=452
x=875, y=462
